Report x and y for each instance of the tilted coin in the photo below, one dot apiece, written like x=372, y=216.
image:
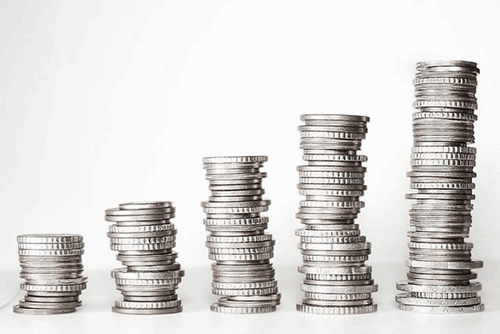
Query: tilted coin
x=169, y=310
x=446, y=264
x=140, y=212
x=43, y=311
x=406, y=299
x=472, y=287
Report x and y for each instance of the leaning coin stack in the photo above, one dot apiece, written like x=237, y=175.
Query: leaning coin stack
x=334, y=251
x=144, y=238
x=242, y=273
x=440, y=264
x=51, y=266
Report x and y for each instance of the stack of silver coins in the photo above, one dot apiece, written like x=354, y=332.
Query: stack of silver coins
x=242, y=273
x=440, y=264
x=334, y=251
x=52, y=269
x=144, y=238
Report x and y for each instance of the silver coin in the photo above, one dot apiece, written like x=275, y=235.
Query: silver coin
x=234, y=159
x=245, y=292
x=352, y=289
x=472, y=287
x=228, y=166
x=216, y=307
x=122, y=273
x=157, y=234
x=147, y=311
x=54, y=287
x=337, y=303
x=141, y=212
x=148, y=282
x=49, y=238
x=147, y=305
x=336, y=310
x=157, y=298
x=154, y=268
x=232, y=170
x=226, y=302
x=445, y=265
x=31, y=311
x=61, y=299
x=142, y=240
x=442, y=309
x=58, y=305
x=162, y=226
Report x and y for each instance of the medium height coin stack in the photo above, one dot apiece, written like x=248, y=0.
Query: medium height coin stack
x=440, y=264
x=144, y=238
x=333, y=250
x=51, y=266
x=242, y=273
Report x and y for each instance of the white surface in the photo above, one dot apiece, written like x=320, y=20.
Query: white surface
x=95, y=315
x=104, y=102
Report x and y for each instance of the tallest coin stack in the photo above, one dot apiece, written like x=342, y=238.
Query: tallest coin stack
x=439, y=276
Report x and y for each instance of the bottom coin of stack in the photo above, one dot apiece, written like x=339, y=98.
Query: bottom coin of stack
x=51, y=266
x=243, y=275
x=145, y=238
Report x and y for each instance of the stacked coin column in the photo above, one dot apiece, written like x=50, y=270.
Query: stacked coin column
x=440, y=265
x=242, y=273
x=144, y=238
x=51, y=266
x=334, y=251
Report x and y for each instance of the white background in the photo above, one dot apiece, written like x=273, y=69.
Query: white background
x=104, y=102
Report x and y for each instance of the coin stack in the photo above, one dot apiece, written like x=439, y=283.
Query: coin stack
x=334, y=251
x=242, y=272
x=440, y=264
x=144, y=238
x=51, y=266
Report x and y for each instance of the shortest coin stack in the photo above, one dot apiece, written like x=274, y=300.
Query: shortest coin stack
x=144, y=238
x=51, y=266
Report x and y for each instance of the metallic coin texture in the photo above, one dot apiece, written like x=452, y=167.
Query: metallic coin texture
x=441, y=179
x=334, y=252
x=52, y=270
x=237, y=241
x=144, y=237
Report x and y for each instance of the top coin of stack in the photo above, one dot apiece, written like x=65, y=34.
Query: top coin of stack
x=442, y=164
x=333, y=249
x=144, y=238
x=242, y=273
x=51, y=266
